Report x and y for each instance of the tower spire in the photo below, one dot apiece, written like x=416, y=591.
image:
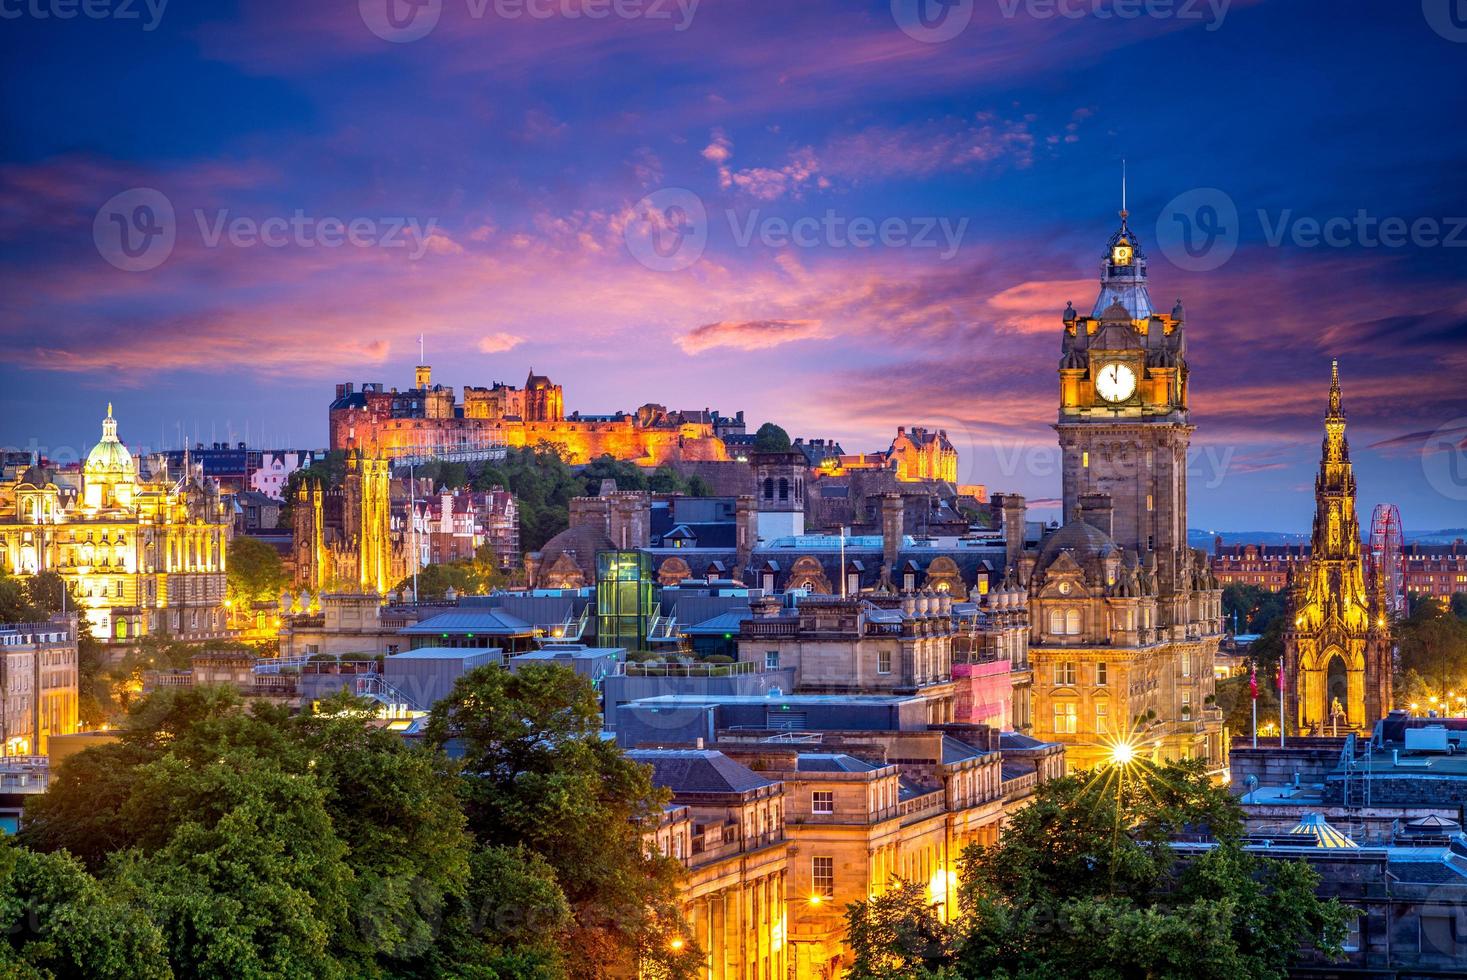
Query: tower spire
x=1335, y=395
x=1125, y=213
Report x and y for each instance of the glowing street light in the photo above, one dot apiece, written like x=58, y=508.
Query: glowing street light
x=1123, y=753
x=677, y=943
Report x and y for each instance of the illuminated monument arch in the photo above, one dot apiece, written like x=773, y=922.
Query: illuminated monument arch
x=1337, y=651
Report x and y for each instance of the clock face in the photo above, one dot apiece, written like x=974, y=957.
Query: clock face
x=1121, y=254
x=1115, y=383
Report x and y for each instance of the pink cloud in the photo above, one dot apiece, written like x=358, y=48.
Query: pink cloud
x=748, y=334
x=498, y=343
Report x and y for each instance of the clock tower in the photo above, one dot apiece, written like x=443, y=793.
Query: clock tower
x=1123, y=420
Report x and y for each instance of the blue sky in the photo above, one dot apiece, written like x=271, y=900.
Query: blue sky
x=502, y=167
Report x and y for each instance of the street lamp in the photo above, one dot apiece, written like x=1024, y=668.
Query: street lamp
x=1123, y=753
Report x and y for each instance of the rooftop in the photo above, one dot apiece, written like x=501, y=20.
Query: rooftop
x=699, y=771
x=489, y=621
x=443, y=653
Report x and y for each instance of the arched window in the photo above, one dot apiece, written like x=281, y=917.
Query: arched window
x=1057, y=622
x=769, y=488
x=1072, y=622
x=784, y=489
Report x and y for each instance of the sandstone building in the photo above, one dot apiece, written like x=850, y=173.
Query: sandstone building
x=428, y=418
x=1125, y=618
x=144, y=554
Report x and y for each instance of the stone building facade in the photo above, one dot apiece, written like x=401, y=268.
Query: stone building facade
x=428, y=417
x=144, y=553
x=726, y=825
x=38, y=684
x=1125, y=618
x=347, y=538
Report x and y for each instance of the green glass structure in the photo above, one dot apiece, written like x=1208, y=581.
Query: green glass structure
x=623, y=599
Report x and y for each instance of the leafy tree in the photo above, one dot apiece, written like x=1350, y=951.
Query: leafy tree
x=628, y=475
x=255, y=572
x=34, y=598
x=540, y=776
x=1458, y=605
x=59, y=921
x=899, y=934
x=1433, y=643
x=1085, y=883
x=771, y=439
x=1255, y=607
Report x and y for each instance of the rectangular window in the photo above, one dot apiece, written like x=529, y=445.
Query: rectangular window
x=822, y=876
x=1102, y=717
x=1102, y=674
x=822, y=801
x=1066, y=718
x=771, y=659
x=1085, y=459
x=883, y=661
x=1064, y=675
x=1186, y=664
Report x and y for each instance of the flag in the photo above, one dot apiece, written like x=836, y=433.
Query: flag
x=1281, y=676
x=1253, y=682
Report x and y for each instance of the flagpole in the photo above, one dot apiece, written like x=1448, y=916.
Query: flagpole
x=1281, y=703
x=1253, y=691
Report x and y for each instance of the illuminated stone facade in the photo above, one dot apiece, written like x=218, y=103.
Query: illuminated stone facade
x=346, y=539
x=1337, y=646
x=391, y=423
x=143, y=555
x=923, y=454
x=38, y=686
x=1125, y=618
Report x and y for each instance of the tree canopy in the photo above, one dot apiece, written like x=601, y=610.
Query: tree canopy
x=219, y=840
x=770, y=438
x=1085, y=883
x=255, y=572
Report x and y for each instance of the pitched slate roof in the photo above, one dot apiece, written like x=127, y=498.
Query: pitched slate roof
x=831, y=762
x=699, y=771
x=490, y=622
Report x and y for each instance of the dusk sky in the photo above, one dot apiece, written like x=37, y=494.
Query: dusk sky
x=513, y=150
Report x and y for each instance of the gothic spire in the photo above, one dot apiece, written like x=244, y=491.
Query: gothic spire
x=1335, y=409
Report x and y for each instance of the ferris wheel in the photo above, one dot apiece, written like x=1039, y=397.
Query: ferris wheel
x=1385, y=554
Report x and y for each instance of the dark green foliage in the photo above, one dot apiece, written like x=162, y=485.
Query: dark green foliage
x=898, y=935
x=1254, y=607
x=220, y=840
x=1084, y=884
x=771, y=439
x=539, y=776
x=255, y=572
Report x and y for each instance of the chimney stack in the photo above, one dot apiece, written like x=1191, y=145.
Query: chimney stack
x=1096, y=510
